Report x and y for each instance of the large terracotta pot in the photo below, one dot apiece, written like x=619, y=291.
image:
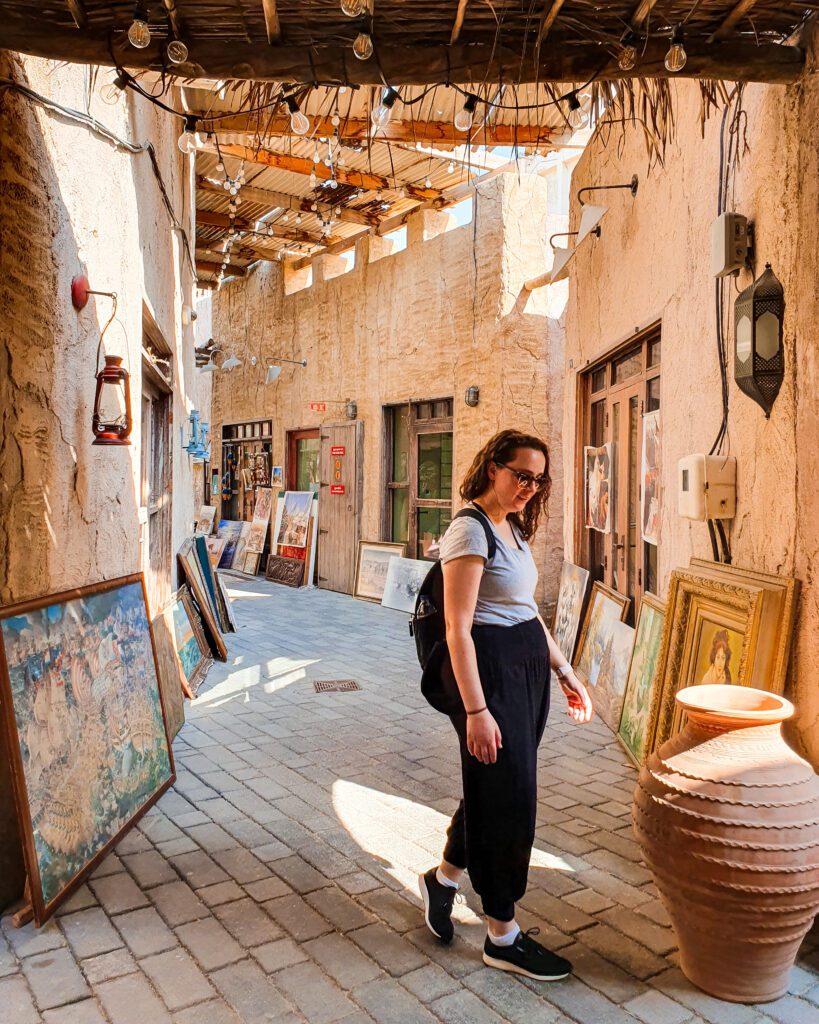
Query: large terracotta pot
x=727, y=816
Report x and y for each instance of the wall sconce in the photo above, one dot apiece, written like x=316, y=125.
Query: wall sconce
x=350, y=409
x=563, y=256
x=759, y=359
x=231, y=363
x=472, y=395
x=273, y=370
x=210, y=366
x=592, y=215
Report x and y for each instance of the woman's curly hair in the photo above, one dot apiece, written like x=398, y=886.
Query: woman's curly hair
x=502, y=448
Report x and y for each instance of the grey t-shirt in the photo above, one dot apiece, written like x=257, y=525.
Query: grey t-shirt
x=506, y=592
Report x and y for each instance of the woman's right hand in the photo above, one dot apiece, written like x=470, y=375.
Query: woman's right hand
x=483, y=738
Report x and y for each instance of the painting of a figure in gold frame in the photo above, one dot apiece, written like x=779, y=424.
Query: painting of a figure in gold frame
x=710, y=635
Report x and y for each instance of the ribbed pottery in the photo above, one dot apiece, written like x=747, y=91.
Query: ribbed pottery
x=727, y=816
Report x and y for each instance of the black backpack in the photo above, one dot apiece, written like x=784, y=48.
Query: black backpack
x=428, y=626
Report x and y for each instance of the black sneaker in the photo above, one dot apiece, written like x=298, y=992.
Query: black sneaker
x=527, y=957
x=438, y=900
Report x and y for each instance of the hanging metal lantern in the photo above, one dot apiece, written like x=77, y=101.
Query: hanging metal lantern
x=759, y=357
x=112, y=420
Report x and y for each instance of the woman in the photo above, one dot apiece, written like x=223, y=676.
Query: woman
x=501, y=656
x=719, y=660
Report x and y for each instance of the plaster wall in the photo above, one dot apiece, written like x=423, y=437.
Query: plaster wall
x=70, y=203
x=653, y=262
x=427, y=322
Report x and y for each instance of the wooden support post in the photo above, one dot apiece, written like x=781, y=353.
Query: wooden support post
x=271, y=21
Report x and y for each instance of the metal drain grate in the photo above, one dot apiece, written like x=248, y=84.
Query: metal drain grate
x=335, y=685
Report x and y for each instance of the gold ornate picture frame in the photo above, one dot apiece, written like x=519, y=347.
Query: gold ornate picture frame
x=711, y=631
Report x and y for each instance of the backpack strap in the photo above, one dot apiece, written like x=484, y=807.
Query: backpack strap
x=473, y=513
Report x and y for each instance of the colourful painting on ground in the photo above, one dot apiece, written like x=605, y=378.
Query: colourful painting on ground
x=609, y=691
x=187, y=646
x=295, y=519
x=634, y=720
x=84, y=704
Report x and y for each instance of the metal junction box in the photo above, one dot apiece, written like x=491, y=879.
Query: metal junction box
x=707, y=487
x=729, y=244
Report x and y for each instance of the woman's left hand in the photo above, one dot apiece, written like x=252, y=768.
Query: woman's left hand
x=580, y=705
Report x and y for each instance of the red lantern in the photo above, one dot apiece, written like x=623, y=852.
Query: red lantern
x=112, y=420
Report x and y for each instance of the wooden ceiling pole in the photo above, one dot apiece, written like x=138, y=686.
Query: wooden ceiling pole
x=77, y=9
x=459, y=22
x=733, y=18
x=213, y=268
x=301, y=165
x=274, y=200
x=174, y=17
x=547, y=19
x=271, y=21
x=641, y=12
x=211, y=219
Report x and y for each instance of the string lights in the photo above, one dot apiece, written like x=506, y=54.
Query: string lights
x=466, y=116
x=353, y=8
x=363, y=45
x=676, y=57
x=627, y=58
x=187, y=140
x=299, y=122
x=382, y=112
x=177, y=51
x=139, y=34
x=576, y=116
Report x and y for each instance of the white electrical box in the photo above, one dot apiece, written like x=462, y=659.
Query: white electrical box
x=707, y=487
x=729, y=244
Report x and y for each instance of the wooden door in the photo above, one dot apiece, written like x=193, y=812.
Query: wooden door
x=155, y=498
x=625, y=422
x=339, y=505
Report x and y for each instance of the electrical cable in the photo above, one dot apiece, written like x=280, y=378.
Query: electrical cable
x=712, y=533
x=91, y=123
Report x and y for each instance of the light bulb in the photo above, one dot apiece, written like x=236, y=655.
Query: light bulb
x=676, y=57
x=285, y=219
x=298, y=218
x=316, y=157
x=299, y=122
x=576, y=116
x=314, y=207
x=335, y=120
x=220, y=166
x=465, y=117
x=237, y=201
x=177, y=51
x=428, y=183
x=363, y=46
x=111, y=93
x=139, y=34
x=187, y=141
x=328, y=162
x=450, y=167
x=332, y=183
x=628, y=57
x=382, y=112
x=353, y=8
x=313, y=179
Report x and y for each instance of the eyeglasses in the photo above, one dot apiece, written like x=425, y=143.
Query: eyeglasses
x=526, y=479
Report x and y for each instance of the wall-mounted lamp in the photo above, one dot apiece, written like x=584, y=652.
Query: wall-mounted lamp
x=563, y=256
x=350, y=409
x=273, y=370
x=759, y=359
x=231, y=363
x=592, y=215
x=210, y=366
x=472, y=395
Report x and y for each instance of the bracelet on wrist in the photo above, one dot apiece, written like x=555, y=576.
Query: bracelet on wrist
x=477, y=711
x=563, y=670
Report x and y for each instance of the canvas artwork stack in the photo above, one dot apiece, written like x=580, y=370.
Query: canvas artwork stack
x=85, y=724
x=372, y=566
x=404, y=579
x=295, y=532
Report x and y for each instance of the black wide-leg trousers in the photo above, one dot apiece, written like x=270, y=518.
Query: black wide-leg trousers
x=492, y=832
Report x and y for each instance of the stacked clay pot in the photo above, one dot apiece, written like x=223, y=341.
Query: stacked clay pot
x=727, y=815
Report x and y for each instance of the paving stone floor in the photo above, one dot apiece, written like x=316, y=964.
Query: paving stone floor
x=277, y=880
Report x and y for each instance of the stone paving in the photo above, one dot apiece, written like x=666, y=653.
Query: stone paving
x=277, y=880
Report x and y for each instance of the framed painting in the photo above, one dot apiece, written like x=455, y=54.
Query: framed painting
x=277, y=477
x=289, y=571
x=605, y=608
x=85, y=726
x=216, y=546
x=609, y=691
x=190, y=643
x=597, y=485
x=209, y=576
x=171, y=681
x=404, y=579
x=711, y=631
x=295, y=518
x=642, y=673
x=650, y=474
x=261, y=520
x=768, y=669
x=204, y=521
x=229, y=530
x=371, y=568
x=228, y=603
x=192, y=571
x=571, y=598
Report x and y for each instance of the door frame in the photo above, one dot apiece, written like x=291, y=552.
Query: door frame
x=324, y=487
x=291, y=455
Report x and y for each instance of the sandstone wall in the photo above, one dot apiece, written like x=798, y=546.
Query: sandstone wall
x=427, y=322
x=653, y=261
x=71, y=202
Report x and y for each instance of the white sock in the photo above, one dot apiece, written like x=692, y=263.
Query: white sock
x=443, y=880
x=504, y=940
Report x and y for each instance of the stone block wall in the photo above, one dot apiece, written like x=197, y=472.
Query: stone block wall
x=427, y=322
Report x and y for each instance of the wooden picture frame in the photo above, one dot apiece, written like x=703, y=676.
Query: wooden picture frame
x=289, y=571
x=209, y=576
x=369, y=589
x=191, y=571
x=221, y=589
x=605, y=606
x=568, y=611
x=706, y=619
x=633, y=732
x=404, y=579
x=87, y=700
x=194, y=670
x=771, y=656
x=172, y=682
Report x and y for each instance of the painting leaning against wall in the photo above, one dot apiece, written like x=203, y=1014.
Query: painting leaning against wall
x=84, y=719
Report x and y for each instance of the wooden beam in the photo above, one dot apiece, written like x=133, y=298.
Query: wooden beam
x=271, y=21
x=174, y=17
x=227, y=58
x=274, y=200
x=210, y=219
x=213, y=268
x=306, y=167
x=437, y=133
x=547, y=19
x=733, y=18
x=459, y=22
x=77, y=9
x=343, y=245
x=641, y=12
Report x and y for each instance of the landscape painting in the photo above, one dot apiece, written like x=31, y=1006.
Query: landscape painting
x=574, y=582
x=81, y=700
x=634, y=721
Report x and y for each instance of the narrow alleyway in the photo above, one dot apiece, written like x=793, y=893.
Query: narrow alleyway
x=277, y=880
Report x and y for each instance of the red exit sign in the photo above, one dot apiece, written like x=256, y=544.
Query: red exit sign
x=318, y=407
x=338, y=449
x=336, y=488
